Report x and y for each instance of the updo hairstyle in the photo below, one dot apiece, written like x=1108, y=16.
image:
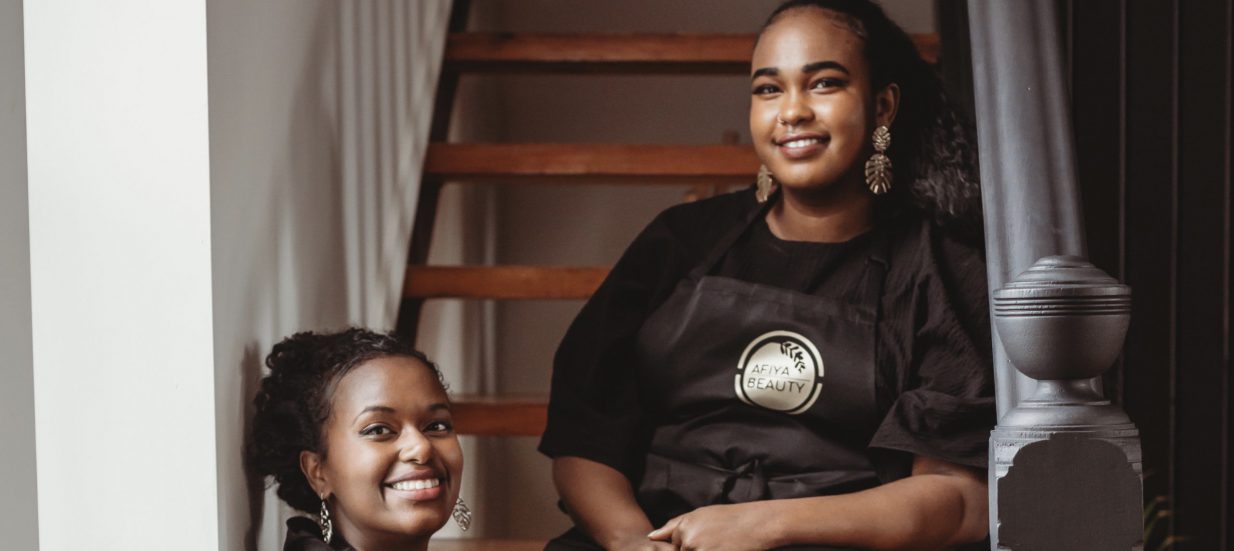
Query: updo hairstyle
x=293, y=403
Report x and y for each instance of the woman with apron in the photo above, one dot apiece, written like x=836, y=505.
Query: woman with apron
x=803, y=365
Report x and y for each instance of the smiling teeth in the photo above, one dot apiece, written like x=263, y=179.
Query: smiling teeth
x=416, y=484
x=802, y=143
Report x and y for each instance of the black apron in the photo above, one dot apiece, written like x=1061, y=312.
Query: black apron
x=755, y=392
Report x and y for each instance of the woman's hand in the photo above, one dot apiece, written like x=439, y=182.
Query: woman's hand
x=742, y=527
x=940, y=506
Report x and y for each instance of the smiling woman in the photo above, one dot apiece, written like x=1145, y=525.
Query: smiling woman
x=355, y=427
x=805, y=364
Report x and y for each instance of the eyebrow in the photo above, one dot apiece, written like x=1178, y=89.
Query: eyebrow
x=440, y=406
x=383, y=409
x=807, y=68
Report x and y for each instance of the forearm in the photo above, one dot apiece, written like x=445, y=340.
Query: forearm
x=600, y=500
x=922, y=512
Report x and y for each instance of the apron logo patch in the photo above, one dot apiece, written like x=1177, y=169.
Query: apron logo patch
x=780, y=371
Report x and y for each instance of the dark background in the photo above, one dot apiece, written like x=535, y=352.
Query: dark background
x=1150, y=84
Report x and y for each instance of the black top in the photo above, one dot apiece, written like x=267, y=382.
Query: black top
x=935, y=386
x=303, y=534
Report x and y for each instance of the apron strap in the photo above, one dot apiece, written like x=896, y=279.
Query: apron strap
x=717, y=253
x=694, y=485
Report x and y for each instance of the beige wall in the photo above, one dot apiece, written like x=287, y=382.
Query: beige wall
x=591, y=225
x=319, y=113
x=275, y=214
x=18, y=499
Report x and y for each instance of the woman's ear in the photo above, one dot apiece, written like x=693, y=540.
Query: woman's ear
x=886, y=103
x=313, y=467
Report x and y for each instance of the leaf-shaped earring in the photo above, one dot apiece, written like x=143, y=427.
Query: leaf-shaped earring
x=878, y=168
x=766, y=184
x=462, y=515
x=324, y=522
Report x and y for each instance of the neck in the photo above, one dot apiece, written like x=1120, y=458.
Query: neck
x=830, y=215
x=376, y=542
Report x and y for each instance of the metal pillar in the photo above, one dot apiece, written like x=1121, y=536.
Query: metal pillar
x=1064, y=463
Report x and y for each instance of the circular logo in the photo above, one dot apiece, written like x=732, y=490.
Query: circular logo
x=780, y=371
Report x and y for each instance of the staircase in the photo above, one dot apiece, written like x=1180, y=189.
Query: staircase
x=697, y=169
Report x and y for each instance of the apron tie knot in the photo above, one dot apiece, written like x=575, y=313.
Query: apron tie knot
x=753, y=477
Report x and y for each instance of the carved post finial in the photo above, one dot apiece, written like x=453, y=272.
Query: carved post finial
x=1063, y=322
x=1065, y=462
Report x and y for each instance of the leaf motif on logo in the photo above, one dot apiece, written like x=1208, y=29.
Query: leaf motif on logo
x=794, y=352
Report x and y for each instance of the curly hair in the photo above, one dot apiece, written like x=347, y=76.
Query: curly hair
x=932, y=149
x=293, y=403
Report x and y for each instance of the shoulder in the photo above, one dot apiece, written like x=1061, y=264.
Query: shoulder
x=960, y=262
x=668, y=248
x=941, y=270
x=925, y=249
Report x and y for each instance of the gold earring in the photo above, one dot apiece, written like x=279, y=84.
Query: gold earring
x=766, y=184
x=878, y=168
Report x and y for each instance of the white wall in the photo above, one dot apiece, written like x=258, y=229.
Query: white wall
x=319, y=114
x=18, y=495
x=120, y=274
x=276, y=218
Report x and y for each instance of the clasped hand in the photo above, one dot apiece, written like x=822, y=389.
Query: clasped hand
x=738, y=527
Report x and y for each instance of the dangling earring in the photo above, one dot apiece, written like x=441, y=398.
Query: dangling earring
x=323, y=522
x=462, y=515
x=878, y=168
x=765, y=184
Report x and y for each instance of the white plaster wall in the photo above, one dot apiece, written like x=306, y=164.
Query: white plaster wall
x=319, y=114
x=277, y=243
x=118, y=171
x=18, y=492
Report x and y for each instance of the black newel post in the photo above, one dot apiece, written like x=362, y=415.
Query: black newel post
x=1064, y=462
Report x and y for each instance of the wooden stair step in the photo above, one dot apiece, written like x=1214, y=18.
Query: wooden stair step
x=610, y=52
x=499, y=415
x=502, y=282
x=643, y=164
x=600, y=52
x=481, y=544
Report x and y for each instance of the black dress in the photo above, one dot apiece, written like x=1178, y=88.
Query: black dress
x=303, y=534
x=899, y=313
